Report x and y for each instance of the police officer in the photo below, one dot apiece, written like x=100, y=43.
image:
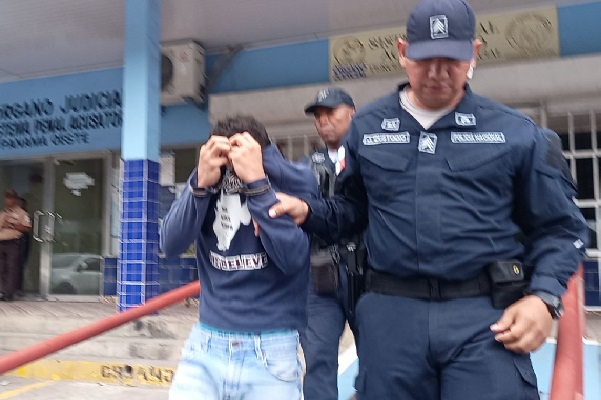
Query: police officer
x=14, y=223
x=333, y=109
x=455, y=302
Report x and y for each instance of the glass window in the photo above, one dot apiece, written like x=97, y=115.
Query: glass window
x=79, y=201
x=584, y=178
x=559, y=123
x=185, y=161
x=78, y=223
x=582, y=132
x=294, y=148
x=597, y=124
x=300, y=148
x=591, y=221
x=93, y=264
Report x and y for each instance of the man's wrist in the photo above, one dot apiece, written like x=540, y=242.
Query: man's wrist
x=553, y=303
x=199, y=188
x=203, y=191
x=306, y=211
x=257, y=187
x=259, y=176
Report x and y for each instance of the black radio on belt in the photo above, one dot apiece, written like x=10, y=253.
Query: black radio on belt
x=509, y=282
x=356, y=264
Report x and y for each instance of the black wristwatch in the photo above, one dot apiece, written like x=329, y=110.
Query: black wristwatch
x=553, y=303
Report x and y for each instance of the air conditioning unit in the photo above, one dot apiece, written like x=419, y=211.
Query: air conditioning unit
x=182, y=73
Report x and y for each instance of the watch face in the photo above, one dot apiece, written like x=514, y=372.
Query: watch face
x=558, y=310
x=555, y=307
x=553, y=303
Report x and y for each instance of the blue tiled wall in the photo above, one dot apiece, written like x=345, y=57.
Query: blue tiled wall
x=173, y=273
x=138, y=273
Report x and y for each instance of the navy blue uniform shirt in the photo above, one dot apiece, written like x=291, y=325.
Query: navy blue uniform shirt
x=446, y=201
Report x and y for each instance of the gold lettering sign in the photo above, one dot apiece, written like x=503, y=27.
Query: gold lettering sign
x=505, y=37
x=519, y=36
x=365, y=55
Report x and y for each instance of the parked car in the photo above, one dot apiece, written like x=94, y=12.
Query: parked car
x=76, y=273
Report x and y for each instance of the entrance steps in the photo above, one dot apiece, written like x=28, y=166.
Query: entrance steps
x=145, y=351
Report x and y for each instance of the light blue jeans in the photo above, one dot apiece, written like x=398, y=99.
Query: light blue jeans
x=218, y=365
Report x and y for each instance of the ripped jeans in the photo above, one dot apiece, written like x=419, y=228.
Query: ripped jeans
x=217, y=365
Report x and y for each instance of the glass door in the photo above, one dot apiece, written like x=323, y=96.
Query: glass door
x=28, y=179
x=67, y=202
x=77, y=222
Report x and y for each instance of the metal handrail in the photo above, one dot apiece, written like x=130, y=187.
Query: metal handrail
x=34, y=352
x=568, y=371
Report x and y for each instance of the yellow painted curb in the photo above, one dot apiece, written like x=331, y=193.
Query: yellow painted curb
x=117, y=373
x=28, y=388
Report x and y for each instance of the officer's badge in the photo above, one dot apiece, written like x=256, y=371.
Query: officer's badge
x=390, y=124
x=318, y=158
x=465, y=119
x=427, y=142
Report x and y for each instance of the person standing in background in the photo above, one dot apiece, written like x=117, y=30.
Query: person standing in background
x=25, y=247
x=14, y=222
x=328, y=307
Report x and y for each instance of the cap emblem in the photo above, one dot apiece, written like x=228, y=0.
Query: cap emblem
x=322, y=95
x=439, y=27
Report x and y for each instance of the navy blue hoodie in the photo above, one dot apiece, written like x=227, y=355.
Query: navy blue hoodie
x=249, y=283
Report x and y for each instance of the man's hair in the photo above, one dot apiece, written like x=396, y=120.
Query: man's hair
x=231, y=125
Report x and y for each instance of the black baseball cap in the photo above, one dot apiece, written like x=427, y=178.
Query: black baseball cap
x=441, y=28
x=330, y=97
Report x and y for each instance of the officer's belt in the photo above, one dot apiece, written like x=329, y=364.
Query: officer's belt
x=426, y=288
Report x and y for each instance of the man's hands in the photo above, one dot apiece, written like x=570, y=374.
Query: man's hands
x=213, y=156
x=246, y=157
x=524, y=325
x=240, y=151
x=10, y=221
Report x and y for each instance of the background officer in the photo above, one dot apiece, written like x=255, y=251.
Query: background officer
x=333, y=110
x=447, y=179
x=14, y=222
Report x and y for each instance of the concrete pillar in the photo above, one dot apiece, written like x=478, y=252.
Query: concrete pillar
x=138, y=277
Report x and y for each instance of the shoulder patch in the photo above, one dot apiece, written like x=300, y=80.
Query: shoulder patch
x=465, y=119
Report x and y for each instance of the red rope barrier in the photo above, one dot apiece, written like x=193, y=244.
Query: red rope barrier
x=567, y=383
x=52, y=345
